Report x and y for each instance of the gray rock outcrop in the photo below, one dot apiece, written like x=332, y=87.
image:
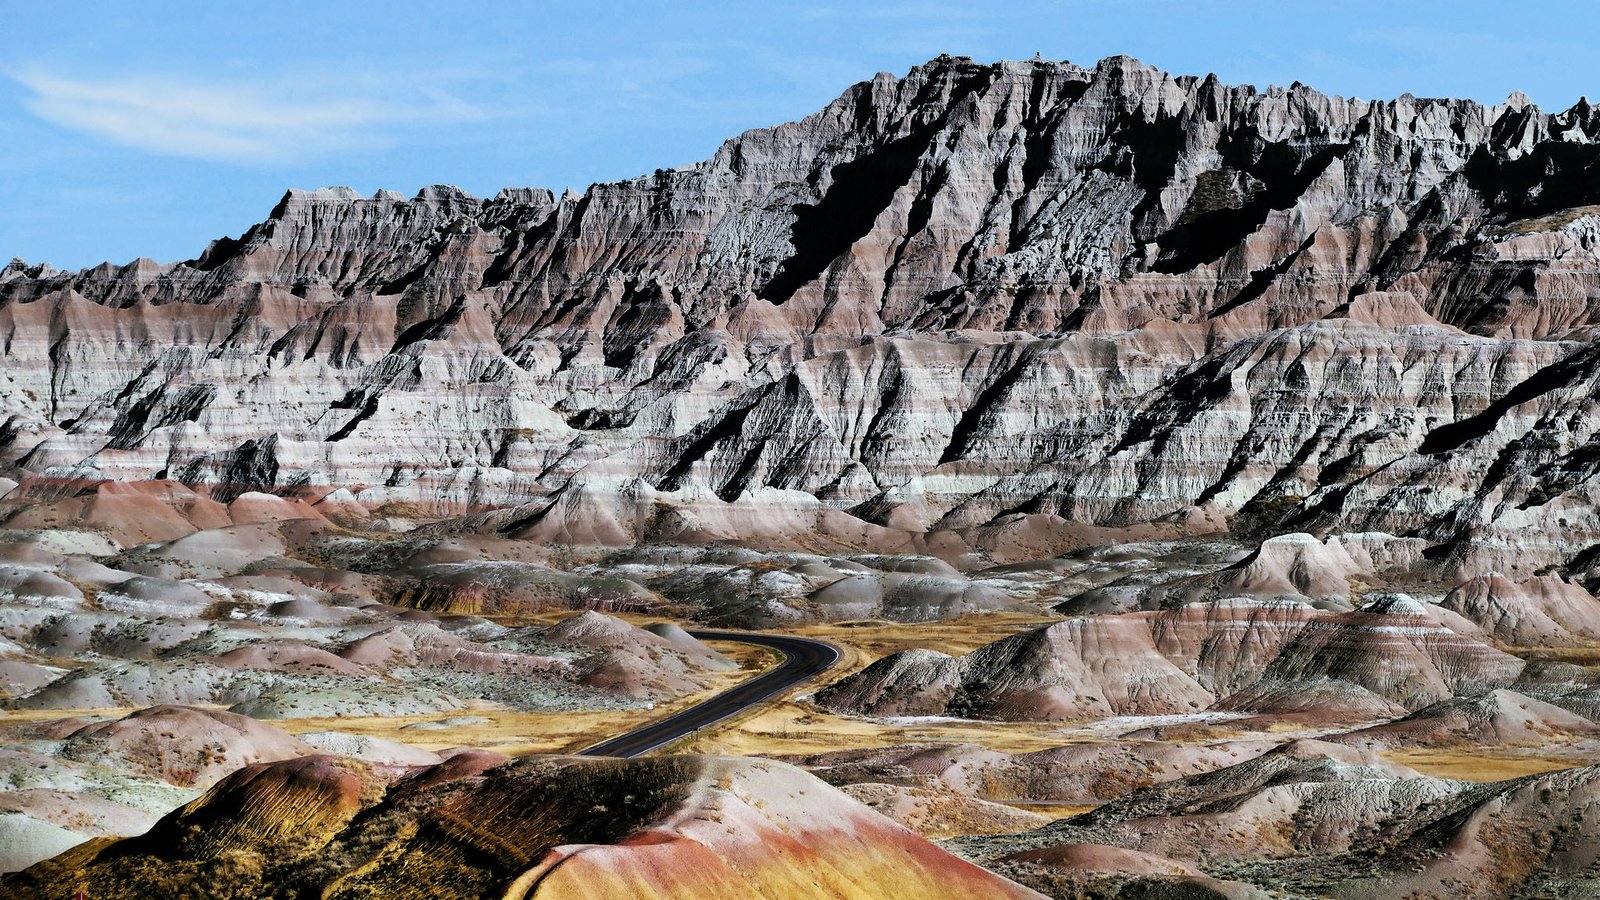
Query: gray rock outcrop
x=977, y=305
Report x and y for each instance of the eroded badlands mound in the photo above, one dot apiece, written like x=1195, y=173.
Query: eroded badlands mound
x=1313, y=820
x=476, y=825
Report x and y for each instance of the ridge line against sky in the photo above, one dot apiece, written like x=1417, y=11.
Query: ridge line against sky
x=148, y=132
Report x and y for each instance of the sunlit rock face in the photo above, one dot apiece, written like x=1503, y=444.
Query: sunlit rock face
x=977, y=306
x=476, y=825
x=1391, y=657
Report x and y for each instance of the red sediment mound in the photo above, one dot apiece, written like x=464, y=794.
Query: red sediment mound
x=557, y=827
x=181, y=744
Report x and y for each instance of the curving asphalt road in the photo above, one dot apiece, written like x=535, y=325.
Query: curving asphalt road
x=803, y=659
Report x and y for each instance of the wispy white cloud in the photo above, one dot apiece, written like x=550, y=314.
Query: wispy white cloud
x=269, y=123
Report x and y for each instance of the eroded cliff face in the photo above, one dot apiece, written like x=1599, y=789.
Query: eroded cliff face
x=979, y=306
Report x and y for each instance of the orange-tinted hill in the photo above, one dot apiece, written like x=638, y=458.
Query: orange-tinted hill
x=539, y=827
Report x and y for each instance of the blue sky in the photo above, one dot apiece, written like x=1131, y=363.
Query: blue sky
x=147, y=129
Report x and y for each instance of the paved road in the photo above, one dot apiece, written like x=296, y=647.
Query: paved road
x=803, y=659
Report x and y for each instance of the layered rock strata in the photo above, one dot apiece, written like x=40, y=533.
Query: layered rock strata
x=979, y=305
x=1393, y=656
x=475, y=825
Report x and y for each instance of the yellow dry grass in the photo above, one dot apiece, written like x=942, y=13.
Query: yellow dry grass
x=1056, y=811
x=515, y=733
x=1578, y=656
x=1481, y=764
x=507, y=731
x=22, y=716
x=790, y=727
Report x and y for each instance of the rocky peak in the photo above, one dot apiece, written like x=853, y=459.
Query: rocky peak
x=976, y=299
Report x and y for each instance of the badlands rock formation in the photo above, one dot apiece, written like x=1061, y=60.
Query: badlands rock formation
x=1490, y=719
x=1394, y=655
x=980, y=306
x=1088, y=772
x=65, y=781
x=1265, y=420
x=232, y=617
x=1540, y=612
x=1312, y=819
x=559, y=827
x=938, y=813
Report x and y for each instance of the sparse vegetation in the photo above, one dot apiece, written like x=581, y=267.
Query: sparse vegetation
x=1550, y=222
